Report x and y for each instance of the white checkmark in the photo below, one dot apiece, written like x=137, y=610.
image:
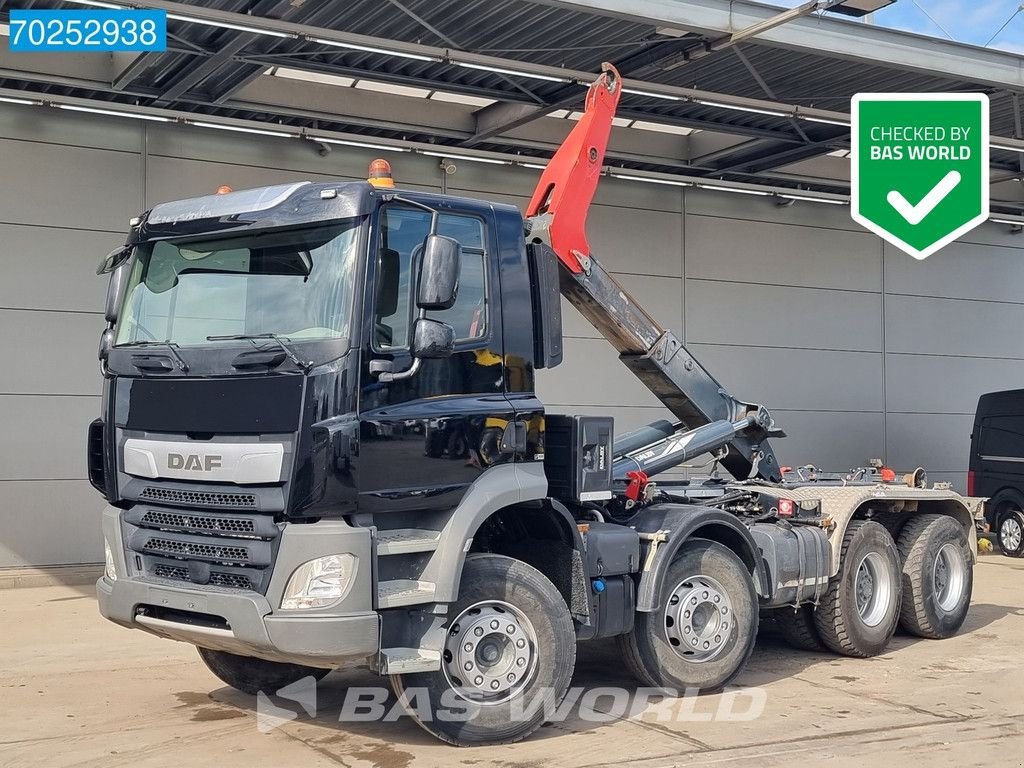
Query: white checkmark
x=915, y=214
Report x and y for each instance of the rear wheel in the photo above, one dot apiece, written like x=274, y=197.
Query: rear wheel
x=937, y=576
x=797, y=627
x=253, y=676
x=705, y=626
x=509, y=655
x=859, y=612
x=1011, y=532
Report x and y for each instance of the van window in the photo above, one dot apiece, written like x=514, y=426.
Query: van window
x=403, y=231
x=1002, y=436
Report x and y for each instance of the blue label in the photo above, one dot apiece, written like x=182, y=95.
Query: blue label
x=98, y=30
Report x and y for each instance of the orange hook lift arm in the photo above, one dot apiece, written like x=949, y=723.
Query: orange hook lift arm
x=568, y=183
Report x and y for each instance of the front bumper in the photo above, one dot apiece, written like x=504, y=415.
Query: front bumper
x=245, y=622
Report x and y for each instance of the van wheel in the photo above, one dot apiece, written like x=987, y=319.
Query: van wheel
x=1011, y=533
x=252, y=676
x=704, y=627
x=509, y=656
x=797, y=627
x=858, y=614
x=937, y=576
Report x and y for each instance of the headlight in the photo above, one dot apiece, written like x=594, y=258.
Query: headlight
x=109, y=570
x=320, y=582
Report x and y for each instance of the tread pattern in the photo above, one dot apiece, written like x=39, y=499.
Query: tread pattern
x=912, y=545
x=797, y=628
x=828, y=616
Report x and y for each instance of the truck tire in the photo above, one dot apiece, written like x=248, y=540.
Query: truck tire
x=251, y=675
x=797, y=627
x=937, y=576
x=704, y=628
x=1011, y=532
x=507, y=662
x=859, y=612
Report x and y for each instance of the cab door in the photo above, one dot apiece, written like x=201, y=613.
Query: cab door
x=424, y=439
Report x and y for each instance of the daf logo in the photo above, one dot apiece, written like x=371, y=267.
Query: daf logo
x=194, y=461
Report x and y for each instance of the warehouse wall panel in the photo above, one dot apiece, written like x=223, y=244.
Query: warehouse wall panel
x=859, y=350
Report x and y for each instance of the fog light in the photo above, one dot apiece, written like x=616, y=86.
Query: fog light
x=109, y=570
x=320, y=582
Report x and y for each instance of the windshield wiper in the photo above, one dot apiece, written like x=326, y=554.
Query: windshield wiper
x=171, y=347
x=287, y=349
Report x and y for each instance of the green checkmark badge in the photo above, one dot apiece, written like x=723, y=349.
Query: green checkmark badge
x=919, y=167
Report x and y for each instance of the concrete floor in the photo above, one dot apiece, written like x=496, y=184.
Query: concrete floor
x=77, y=691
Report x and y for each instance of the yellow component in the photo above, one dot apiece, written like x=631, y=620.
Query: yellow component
x=984, y=546
x=486, y=357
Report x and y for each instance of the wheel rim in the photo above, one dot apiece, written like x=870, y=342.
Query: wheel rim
x=490, y=652
x=1010, y=533
x=699, y=619
x=873, y=589
x=949, y=575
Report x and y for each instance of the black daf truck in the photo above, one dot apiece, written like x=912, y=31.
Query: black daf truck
x=321, y=443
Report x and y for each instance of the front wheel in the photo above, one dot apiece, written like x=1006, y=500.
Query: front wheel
x=508, y=657
x=252, y=676
x=705, y=626
x=1011, y=533
x=858, y=614
x=937, y=576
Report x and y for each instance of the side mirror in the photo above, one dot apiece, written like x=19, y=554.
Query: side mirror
x=114, y=288
x=439, y=273
x=432, y=339
x=115, y=259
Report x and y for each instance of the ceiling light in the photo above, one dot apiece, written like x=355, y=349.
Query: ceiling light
x=113, y=113
x=228, y=25
x=9, y=100
x=240, y=129
x=558, y=114
x=372, y=49
x=825, y=120
x=1012, y=222
x=809, y=199
x=653, y=95
x=5, y=30
x=470, y=158
x=514, y=72
x=534, y=166
x=362, y=144
x=652, y=180
x=1007, y=148
x=96, y=4
x=736, y=190
x=755, y=110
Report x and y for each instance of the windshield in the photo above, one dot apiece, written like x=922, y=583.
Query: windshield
x=298, y=284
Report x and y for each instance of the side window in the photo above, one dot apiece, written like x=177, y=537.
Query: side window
x=403, y=231
x=1003, y=436
x=469, y=314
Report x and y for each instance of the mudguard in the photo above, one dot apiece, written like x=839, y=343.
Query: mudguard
x=677, y=523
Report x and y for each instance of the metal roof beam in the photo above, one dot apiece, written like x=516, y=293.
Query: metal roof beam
x=822, y=36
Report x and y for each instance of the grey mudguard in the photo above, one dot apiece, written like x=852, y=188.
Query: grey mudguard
x=680, y=522
x=502, y=486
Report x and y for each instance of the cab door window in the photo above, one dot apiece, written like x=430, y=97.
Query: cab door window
x=403, y=230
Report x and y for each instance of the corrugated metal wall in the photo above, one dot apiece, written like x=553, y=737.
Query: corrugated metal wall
x=858, y=349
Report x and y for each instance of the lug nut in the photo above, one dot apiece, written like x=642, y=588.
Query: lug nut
x=478, y=631
x=494, y=685
x=468, y=666
x=520, y=662
x=511, y=677
x=478, y=681
x=494, y=624
x=468, y=647
x=511, y=629
x=520, y=643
